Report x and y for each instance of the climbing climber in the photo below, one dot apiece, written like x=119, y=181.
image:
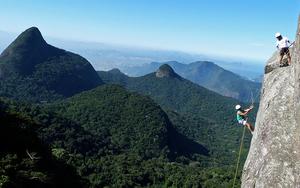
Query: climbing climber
x=283, y=45
x=241, y=116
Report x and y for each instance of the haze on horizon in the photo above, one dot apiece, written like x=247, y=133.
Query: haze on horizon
x=241, y=29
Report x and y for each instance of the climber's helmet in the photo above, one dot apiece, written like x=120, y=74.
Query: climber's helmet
x=277, y=35
x=237, y=107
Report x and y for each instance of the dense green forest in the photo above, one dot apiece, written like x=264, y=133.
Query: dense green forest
x=116, y=138
x=25, y=161
x=59, y=121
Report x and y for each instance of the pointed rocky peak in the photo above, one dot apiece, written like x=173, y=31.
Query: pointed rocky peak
x=31, y=63
x=32, y=34
x=31, y=37
x=26, y=51
x=166, y=71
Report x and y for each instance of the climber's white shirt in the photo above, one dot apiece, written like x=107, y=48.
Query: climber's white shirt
x=283, y=43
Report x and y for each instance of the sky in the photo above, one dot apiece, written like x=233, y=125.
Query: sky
x=233, y=28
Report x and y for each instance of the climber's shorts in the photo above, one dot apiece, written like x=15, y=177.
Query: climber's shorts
x=284, y=51
x=242, y=122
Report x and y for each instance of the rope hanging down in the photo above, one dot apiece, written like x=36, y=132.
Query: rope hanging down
x=239, y=157
x=242, y=141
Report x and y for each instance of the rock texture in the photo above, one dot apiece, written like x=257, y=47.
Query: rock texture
x=273, y=62
x=274, y=156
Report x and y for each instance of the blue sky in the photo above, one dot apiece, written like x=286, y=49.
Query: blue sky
x=234, y=28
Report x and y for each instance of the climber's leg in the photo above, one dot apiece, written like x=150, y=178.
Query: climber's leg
x=289, y=57
x=250, y=127
x=281, y=57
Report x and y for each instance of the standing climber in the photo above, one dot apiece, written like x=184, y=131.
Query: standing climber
x=283, y=45
x=241, y=116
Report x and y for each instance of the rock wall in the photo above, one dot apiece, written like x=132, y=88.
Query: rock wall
x=274, y=155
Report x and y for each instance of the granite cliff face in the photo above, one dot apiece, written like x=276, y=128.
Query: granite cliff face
x=274, y=155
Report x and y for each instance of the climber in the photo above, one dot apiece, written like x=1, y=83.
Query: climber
x=283, y=45
x=241, y=116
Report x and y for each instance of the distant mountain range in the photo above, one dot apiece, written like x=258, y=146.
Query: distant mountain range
x=107, y=56
x=208, y=75
x=27, y=65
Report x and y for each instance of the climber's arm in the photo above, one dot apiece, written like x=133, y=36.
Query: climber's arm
x=242, y=113
x=246, y=111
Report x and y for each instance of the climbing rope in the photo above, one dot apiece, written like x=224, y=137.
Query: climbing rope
x=253, y=99
x=257, y=95
x=239, y=157
x=291, y=44
x=242, y=141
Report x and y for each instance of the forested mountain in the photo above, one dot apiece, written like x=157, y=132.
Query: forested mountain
x=29, y=66
x=210, y=76
x=128, y=121
x=196, y=112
